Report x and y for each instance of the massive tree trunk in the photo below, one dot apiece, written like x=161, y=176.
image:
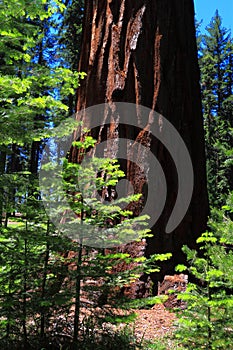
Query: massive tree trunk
x=144, y=52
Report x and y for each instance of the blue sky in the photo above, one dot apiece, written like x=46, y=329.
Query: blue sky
x=205, y=9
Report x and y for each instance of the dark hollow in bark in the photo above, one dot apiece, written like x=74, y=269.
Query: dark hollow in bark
x=144, y=52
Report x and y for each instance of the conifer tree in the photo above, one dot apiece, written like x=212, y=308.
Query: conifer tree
x=216, y=53
x=206, y=323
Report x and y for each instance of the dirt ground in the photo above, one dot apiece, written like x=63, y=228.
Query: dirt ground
x=154, y=323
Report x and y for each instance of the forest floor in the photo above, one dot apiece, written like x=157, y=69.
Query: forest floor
x=158, y=321
x=154, y=323
x=150, y=323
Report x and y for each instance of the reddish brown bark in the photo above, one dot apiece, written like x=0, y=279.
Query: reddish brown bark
x=144, y=52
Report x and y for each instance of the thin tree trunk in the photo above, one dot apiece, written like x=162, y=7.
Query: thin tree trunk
x=78, y=289
x=44, y=280
x=9, y=310
x=77, y=296
x=25, y=274
x=144, y=52
x=2, y=171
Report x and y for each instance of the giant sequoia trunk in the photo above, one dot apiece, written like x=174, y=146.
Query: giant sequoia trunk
x=144, y=52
